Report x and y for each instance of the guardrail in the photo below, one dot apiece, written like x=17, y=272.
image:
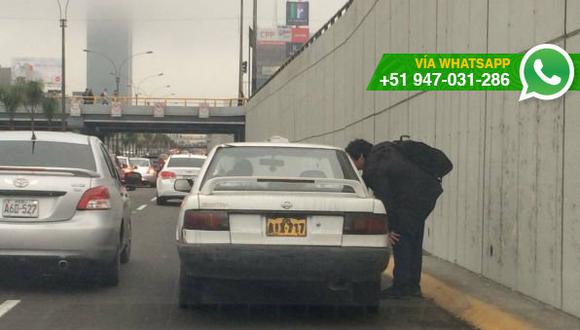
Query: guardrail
x=167, y=101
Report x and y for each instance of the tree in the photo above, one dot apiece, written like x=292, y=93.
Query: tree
x=49, y=107
x=12, y=98
x=32, y=92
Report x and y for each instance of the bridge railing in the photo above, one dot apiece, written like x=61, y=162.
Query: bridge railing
x=167, y=101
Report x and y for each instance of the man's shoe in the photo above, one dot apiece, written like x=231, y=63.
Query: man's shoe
x=398, y=292
x=392, y=292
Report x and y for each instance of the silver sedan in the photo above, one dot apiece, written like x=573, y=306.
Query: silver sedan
x=63, y=202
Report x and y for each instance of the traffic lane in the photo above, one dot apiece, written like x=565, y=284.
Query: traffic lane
x=46, y=296
x=147, y=295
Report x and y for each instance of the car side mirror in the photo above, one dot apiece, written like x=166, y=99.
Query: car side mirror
x=183, y=185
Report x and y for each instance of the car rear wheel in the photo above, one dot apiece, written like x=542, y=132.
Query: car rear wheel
x=189, y=291
x=161, y=201
x=368, y=293
x=110, y=272
x=126, y=253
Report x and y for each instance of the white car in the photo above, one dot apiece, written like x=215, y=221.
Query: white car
x=185, y=166
x=286, y=217
x=144, y=167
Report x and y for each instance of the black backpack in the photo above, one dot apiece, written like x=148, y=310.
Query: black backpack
x=429, y=159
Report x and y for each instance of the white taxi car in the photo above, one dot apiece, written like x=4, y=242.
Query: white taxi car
x=280, y=222
x=182, y=166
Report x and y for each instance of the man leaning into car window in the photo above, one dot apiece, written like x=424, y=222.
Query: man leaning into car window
x=409, y=195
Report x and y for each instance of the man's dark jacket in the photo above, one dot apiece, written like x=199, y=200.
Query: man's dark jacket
x=408, y=193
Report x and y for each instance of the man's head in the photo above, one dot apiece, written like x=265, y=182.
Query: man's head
x=359, y=150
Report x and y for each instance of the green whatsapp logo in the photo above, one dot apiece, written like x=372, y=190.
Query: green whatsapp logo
x=546, y=72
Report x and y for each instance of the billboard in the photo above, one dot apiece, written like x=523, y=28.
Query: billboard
x=274, y=36
x=296, y=13
x=43, y=69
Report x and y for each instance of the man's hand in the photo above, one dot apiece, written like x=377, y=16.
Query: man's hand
x=393, y=238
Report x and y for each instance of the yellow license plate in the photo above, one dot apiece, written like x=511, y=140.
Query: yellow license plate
x=286, y=227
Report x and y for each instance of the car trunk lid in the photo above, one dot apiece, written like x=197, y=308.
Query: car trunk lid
x=41, y=194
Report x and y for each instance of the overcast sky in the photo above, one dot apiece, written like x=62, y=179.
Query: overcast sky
x=195, y=41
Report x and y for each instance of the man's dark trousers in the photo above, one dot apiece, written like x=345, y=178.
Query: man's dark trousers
x=408, y=252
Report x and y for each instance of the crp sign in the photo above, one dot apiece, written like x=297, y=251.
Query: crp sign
x=116, y=110
x=204, y=110
x=159, y=109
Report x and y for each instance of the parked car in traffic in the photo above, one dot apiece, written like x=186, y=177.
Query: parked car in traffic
x=63, y=202
x=144, y=167
x=290, y=217
x=182, y=166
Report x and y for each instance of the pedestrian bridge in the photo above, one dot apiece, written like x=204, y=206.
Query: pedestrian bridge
x=102, y=117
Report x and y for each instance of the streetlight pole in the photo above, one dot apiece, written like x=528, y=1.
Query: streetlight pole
x=241, y=73
x=119, y=68
x=63, y=25
x=158, y=89
x=254, y=52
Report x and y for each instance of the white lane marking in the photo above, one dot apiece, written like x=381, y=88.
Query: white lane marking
x=142, y=207
x=6, y=306
x=153, y=199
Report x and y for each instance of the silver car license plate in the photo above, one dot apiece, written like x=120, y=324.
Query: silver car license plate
x=20, y=208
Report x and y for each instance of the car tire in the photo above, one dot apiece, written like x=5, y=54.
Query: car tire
x=126, y=253
x=161, y=201
x=189, y=292
x=368, y=293
x=111, y=272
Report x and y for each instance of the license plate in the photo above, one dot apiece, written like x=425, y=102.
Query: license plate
x=286, y=226
x=20, y=208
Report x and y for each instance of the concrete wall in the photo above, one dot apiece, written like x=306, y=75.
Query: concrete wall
x=511, y=207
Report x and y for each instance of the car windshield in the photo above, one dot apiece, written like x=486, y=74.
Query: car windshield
x=185, y=162
x=139, y=162
x=46, y=154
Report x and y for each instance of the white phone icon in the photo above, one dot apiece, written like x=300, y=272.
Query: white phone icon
x=553, y=80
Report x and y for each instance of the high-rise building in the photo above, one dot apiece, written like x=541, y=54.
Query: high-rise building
x=109, y=33
x=5, y=76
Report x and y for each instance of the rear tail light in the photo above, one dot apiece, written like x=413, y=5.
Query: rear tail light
x=206, y=220
x=166, y=175
x=97, y=198
x=151, y=170
x=365, y=224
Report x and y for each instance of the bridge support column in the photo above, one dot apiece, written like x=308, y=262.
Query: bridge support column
x=240, y=135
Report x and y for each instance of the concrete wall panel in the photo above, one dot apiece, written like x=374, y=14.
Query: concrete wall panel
x=571, y=223
x=511, y=206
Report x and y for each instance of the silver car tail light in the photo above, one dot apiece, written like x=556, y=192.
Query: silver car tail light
x=97, y=198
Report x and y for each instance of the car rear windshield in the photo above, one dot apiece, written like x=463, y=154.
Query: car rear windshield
x=282, y=162
x=139, y=162
x=185, y=162
x=46, y=154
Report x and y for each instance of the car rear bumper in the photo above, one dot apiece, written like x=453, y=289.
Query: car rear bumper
x=149, y=178
x=284, y=263
x=165, y=189
x=89, y=235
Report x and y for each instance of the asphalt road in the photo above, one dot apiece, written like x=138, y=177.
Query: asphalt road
x=146, y=297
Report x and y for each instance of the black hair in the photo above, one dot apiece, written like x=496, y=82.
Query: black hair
x=358, y=147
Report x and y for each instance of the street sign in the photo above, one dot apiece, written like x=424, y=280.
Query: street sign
x=159, y=109
x=204, y=110
x=116, y=110
x=75, y=108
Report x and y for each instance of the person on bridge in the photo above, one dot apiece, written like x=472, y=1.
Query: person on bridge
x=409, y=193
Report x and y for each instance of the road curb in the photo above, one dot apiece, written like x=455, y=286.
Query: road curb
x=474, y=311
